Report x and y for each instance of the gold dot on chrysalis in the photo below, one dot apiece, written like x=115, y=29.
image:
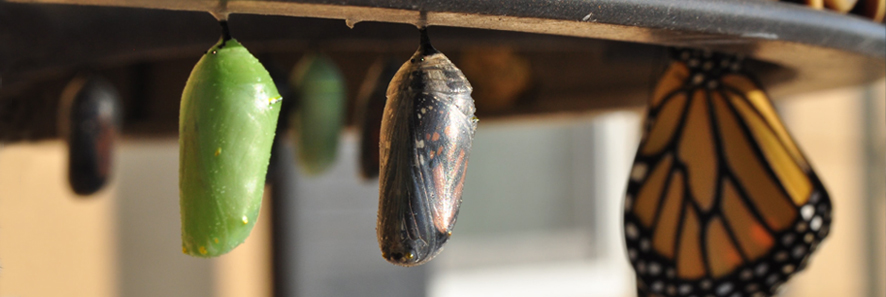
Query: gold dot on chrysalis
x=203, y=250
x=217, y=152
x=215, y=239
x=184, y=250
x=245, y=220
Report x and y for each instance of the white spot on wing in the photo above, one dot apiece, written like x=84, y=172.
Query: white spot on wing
x=654, y=268
x=657, y=286
x=807, y=211
x=638, y=172
x=685, y=289
x=724, y=289
x=815, y=223
x=631, y=231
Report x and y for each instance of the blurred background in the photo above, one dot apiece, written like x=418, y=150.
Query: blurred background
x=542, y=202
x=539, y=219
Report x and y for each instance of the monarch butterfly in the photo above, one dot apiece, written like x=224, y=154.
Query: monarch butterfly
x=90, y=121
x=229, y=111
x=370, y=108
x=426, y=135
x=319, y=116
x=720, y=199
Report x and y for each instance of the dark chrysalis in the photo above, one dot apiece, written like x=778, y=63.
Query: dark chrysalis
x=90, y=122
x=873, y=9
x=370, y=108
x=426, y=135
x=721, y=200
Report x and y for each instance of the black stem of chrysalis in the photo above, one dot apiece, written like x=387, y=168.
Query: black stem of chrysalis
x=226, y=33
x=426, y=47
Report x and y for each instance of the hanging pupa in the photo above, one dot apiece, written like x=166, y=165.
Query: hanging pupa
x=426, y=133
x=318, y=118
x=90, y=122
x=229, y=111
x=370, y=108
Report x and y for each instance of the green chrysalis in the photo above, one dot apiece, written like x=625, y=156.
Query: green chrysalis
x=319, y=116
x=229, y=111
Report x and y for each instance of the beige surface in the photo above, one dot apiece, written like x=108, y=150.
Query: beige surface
x=828, y=128
x=879, y=191
x=51, y=242
x=151, y=261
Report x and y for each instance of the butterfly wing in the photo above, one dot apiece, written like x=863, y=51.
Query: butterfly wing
x=720, y=199
x=426, y=135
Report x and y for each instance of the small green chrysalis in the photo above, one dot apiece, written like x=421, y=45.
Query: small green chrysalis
x=229, y=111
x=318, y=119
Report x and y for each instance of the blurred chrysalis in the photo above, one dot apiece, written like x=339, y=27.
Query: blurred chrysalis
x=318, y=119
x=229, y=111
x=499, y=74
x=426, y=134
x=89, y=120
x=370, y=108
x=873, y=9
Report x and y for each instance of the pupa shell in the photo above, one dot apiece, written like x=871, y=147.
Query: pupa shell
x=426, y=134
x=229, y=111
x=90, y=118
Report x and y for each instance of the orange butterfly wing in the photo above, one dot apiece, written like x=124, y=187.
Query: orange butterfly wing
x=720, y=200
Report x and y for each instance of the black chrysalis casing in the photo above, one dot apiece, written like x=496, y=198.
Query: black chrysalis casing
x=426, y=135
x=370, y=108
x=89, y=121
